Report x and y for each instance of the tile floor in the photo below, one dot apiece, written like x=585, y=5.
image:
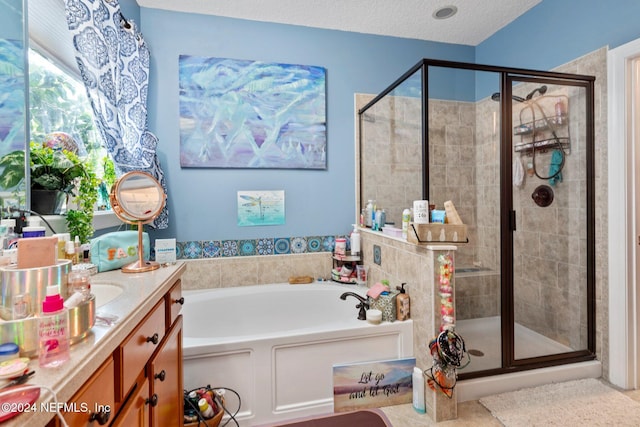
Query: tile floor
x=470, y=414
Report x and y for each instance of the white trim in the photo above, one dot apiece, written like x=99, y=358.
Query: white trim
x=623, y=330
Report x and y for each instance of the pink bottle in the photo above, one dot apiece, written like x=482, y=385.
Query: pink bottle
x=53, y=330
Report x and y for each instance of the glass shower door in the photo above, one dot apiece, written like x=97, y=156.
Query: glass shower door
x=550, y=226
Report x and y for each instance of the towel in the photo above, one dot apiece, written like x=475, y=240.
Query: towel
x=557, y=159
x=375, y=291
x=518, y=172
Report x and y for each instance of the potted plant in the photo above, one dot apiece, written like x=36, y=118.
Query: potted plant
x=58, y=175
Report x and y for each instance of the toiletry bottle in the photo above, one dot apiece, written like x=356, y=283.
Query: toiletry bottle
x=368, y=214
x=78, y=249
x=80, y=282
x=561, y=111
x=355, y=241
x=402, y=304
x=205, y=409
x=53, y=330
x=406, y=218
x=418, y=391
x=70, y=252
x=11, y=242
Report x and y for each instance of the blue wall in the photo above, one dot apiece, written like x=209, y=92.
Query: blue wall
x=558, y=31
x=202, y=202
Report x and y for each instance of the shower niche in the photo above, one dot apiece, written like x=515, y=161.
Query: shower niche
x=513, y=149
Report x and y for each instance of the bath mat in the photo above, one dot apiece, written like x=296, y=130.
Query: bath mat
x=586, y=402
x=361, y=418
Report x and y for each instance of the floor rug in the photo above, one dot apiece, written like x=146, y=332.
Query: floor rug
x=581, y=403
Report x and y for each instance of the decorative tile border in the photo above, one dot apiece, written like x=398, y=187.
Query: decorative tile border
x=247, y=247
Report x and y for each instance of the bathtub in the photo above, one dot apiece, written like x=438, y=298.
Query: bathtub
x=276, y=345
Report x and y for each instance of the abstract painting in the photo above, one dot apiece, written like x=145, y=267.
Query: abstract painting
x=251, y=114
x=260, y=208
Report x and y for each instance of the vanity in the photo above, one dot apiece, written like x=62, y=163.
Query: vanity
x=128, y=373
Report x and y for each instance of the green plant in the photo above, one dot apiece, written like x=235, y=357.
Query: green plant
x=60, y=170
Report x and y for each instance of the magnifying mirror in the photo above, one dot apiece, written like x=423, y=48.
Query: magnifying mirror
x=138, y=198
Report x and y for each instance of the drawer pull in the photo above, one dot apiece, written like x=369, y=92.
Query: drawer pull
x=153, y=400
x=154, y=339
x=101, y=417
x=179, y=301
x=161, y=376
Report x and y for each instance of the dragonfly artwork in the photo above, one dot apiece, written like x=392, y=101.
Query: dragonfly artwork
x=260, y=208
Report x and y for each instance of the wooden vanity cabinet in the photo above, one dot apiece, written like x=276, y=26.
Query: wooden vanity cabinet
x=93, y=404
x=142, y=381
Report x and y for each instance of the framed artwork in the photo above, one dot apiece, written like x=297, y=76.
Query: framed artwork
x=251, y=114
x=260, y=208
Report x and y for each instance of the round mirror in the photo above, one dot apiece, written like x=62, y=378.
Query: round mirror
x=138, y=198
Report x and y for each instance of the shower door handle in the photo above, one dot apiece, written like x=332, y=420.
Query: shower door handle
x=512, y=220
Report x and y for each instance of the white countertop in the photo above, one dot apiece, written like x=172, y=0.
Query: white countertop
x=141, y=292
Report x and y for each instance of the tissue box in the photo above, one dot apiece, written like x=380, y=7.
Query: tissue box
x=386, y=304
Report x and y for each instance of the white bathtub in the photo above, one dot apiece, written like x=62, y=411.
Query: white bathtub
x=276, y=345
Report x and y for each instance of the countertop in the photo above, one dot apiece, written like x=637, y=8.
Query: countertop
x=141, y=291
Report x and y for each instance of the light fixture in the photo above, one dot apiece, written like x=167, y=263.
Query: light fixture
x=445, y=12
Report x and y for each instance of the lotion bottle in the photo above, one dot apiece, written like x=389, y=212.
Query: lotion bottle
x=418, y=391
x=53, y=330
x=406, y=218
x=403, y=304
x=355, y=240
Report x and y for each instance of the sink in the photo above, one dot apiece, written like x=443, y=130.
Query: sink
x=105, y=292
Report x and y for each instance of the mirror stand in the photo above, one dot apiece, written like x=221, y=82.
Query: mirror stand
x=140, y=266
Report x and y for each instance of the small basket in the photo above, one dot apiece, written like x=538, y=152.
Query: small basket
x=435, y=233
x=211, y=422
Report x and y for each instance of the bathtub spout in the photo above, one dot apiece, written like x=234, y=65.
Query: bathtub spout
x=363, y=306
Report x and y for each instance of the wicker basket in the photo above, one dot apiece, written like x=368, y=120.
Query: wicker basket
x=211, y=422
x=434, y=233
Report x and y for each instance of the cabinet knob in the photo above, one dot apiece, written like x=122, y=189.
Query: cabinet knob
x=154, y=339
x=161, y=376
x=101, y=417
x=153, y=400
x=179, y=301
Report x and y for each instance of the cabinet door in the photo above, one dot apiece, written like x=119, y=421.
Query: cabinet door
x=135, y=413
x=165, y=374
x=94, y=403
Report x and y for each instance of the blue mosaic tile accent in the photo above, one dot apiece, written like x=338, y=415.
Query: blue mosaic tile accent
x=211, y=249
x=282, y=246
x=229, y=248
x=314, y=244
x=265, y=247
x=328, y=243
x=191, y=250
x=246, y=247
x=298, y=245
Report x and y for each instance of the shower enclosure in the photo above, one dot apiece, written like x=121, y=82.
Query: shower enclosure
x=513, y=150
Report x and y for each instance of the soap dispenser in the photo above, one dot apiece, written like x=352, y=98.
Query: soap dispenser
x=402, y=304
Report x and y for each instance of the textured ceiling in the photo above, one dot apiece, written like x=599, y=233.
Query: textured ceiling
x=475, y=21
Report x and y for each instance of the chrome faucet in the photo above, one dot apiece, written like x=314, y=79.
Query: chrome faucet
x=363, y=306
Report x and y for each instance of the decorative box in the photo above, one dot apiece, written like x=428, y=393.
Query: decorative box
x=386, y=304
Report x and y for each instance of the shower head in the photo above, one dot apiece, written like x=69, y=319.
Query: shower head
x=496, y=97
x=541, y=90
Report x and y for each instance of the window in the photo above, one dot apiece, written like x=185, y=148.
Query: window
x=58, y=103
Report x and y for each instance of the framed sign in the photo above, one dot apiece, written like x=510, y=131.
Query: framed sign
x=372, y=384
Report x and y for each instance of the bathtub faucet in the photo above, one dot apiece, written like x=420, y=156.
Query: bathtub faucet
x=363, y=306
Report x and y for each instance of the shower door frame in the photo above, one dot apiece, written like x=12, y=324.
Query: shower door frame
x=508, y=225
x=508, y=215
